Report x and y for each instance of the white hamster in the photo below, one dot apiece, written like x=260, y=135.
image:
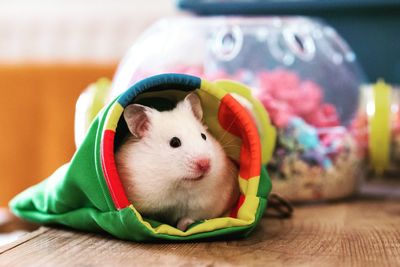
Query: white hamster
x=172, y=169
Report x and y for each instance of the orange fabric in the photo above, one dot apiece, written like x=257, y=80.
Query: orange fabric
x=37, y=120
x=245, y=128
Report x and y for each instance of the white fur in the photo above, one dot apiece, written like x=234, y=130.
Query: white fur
x=152, y=172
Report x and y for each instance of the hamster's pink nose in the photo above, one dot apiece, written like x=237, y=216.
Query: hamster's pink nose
x=203, y=164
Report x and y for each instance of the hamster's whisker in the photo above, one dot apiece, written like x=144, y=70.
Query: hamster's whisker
x=228, y=146
x=229, y=142
x=226, y=130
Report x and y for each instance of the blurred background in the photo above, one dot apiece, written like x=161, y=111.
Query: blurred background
x=49, y=52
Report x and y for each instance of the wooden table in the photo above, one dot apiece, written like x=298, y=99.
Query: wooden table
x=355, y=233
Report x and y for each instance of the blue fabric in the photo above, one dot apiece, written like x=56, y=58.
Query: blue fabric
x=158, y=83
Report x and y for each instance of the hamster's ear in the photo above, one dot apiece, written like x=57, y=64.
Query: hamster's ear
x=137, y=119
x=193, y=101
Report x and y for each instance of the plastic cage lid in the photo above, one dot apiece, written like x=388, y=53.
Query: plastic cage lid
x=215, y=7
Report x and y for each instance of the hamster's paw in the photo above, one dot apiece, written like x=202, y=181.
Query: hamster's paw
x=184, y=223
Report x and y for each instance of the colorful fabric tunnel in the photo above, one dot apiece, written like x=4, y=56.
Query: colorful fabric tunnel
x=87, y=194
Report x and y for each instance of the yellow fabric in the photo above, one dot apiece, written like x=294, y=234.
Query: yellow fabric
x=379, y=139
x=113, y=116
x=248, y=214
x=250, y=186
x=100, y=90
x=247, y=211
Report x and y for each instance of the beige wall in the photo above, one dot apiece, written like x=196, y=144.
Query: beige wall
x=75, y=30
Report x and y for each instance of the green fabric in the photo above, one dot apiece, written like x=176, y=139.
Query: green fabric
x=77, y=196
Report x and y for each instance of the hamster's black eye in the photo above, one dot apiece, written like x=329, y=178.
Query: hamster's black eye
x=175, y=142
x=203, y=136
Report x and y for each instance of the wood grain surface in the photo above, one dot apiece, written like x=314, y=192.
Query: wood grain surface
x=356, y=233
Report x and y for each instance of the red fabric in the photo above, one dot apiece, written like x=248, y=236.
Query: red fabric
x=236, y=120
x=110, y=171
